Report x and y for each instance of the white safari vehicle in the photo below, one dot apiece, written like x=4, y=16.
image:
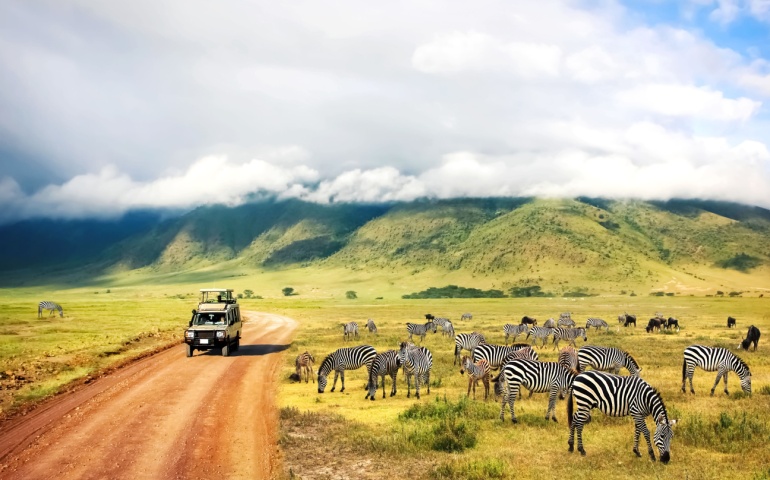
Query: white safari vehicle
x=216, y=323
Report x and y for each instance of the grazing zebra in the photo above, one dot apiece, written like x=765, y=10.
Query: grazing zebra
x=371, y=326
x=384, y=364
x=565, y=322
x=496, y=354
x=539, y=332
x=568, y=357
x=50, y=306
x=344, y=359
x=449, y=330
x=569, y=334
x=597, y=323
x=514, y=331
x=713, y=358
x=467, y=341
x=420, y=329
x=441, y=322
x=622, y=318
x=466, y=316
x=417, y=362
x=550, y=323
x=349, y=330
x=607, y=358
x=537, y=377
x=304, y=364
x=476, y=371
x=619, y=396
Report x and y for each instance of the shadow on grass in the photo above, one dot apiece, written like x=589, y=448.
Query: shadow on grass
x=247, y=350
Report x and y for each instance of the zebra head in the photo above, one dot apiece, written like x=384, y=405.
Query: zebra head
x=746, y=384
x=321, y=382
x=403, y=352
x=464, y=364
x=663, y=435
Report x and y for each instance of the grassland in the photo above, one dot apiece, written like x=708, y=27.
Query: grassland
x=339, y=435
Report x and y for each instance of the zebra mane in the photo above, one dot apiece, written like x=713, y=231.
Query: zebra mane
x=742, y=363
x=326, y=365
x=656, y=394
x=633, y=360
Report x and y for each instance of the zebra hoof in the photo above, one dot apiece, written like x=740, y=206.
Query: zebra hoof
x=371, y=398
x=571, y=447
x=582, y=451
x=418, y=397
x=727, y=393
x=513, y=420
x=636, y=451
x=333, y=388
x=554, y=420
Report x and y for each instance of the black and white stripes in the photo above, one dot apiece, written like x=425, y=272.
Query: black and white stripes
x=384, y=364
x=344, y=359
x=608, y=359
x=50, y=306
x=350, y=330
x=711, y=359
x=417, y=362
x=537, y=377
x=420, y=329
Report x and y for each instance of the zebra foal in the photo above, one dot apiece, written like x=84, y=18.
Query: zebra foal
x=711, y=359
x=476, y=371
x=619, y=396
x=50, y=306
x=349, y=330
x=344, y=359
x=304, y=364
x=371, y=326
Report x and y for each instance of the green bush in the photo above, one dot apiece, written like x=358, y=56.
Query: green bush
x=471, y=470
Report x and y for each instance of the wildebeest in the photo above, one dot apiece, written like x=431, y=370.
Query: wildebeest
x=654, y=324
x=629, y=320
x=428, y=316
x=752, y=336
x=672, y=322
x=730, y=322
x=528, y=320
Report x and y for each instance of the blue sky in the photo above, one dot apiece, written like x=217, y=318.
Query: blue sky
x=111, y=106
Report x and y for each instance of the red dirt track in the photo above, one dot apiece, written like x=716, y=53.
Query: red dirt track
x=165, y=416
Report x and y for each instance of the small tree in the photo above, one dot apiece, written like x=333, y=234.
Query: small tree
x=288, y=291
x=248, y=293
x=351, y=295
x=240, y=295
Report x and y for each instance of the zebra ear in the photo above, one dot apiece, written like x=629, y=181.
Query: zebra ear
x=673, y=422
x=661, y=418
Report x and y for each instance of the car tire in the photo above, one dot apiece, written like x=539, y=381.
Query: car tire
x=237, y=344
x=226, y=350
x=190, y=350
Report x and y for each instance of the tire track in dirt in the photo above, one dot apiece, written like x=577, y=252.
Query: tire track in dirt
x=165, y=416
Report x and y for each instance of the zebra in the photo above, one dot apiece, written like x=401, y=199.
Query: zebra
x=514, y=330
x=619, y=396
x=496, y=354
x=449, y=330
x=713, y=358
x=343, y=359
x=476, y=371
x=622, y=318
x=417, y=362
x=420, y=329
x=537, y=377
x=50, y=306
x=569, y=334
x=467, y=341
x=441, y=322
x=550, y=323
x=568, y=357
x=349, y=330
x=607, y=358
x=565, y=322
x=466, y=316
x=597, y=323
x=371, y=326
x=539, y=332
x=304, y=364
x=384, y=364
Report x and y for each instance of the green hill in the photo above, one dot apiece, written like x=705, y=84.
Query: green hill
x=696, y=247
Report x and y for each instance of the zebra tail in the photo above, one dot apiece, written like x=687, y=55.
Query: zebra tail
x=497, y=378
x=684, y=370
x=570, y=410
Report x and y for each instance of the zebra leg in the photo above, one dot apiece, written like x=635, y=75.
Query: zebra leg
x=408, y=386
x=641, y=426
x=720, y=374
x=334, y=385
x=393, y=389
x=512, y=394
x=470, y=383
x=725, y=377
x=342, y=376
x=486, y=387
x=417, y=385
x=552, y=403
x=579, y=420
x=427, y=382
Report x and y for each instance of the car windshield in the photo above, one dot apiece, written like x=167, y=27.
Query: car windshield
x=210, y=319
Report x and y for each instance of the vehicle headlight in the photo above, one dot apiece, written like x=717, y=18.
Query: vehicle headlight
x=189, y=334
x=220, y=334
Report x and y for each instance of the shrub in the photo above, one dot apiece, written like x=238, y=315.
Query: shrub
x=351, y=295
x=287, y=291
x=453, y=435
x=471, y=470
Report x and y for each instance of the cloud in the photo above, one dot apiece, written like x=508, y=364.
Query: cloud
x=689, y=101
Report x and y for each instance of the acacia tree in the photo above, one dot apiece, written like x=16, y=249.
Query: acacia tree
x=288, y=291
x=350, y=294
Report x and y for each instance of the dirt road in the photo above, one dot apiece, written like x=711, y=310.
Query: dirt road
x=166, y=416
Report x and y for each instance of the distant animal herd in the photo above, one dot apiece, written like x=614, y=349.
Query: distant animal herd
x=601, y=387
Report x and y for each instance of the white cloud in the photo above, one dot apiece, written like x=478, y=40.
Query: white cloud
x=689, y=101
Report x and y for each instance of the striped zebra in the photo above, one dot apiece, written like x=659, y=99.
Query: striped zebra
x=550, y=323
x=622, y=318
x=384, y=364
x=467, y=341
x=569, y=334
x=514, y=331
x=568, y=357
x=537, y=377
x=50, y=306
x=539, y=332
x=343, y=359
x=441, y=322
x=371, y=326
x=417, y=362
x=607, y=358
x=496, y=354
x=420, y=329
x=349, y=330
x=304, y=364
x=619, y=396
x=449, y=330
x=476, y=371
x=565, y=322
x=466, y=316
x=713, y=358
x=597, y=323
